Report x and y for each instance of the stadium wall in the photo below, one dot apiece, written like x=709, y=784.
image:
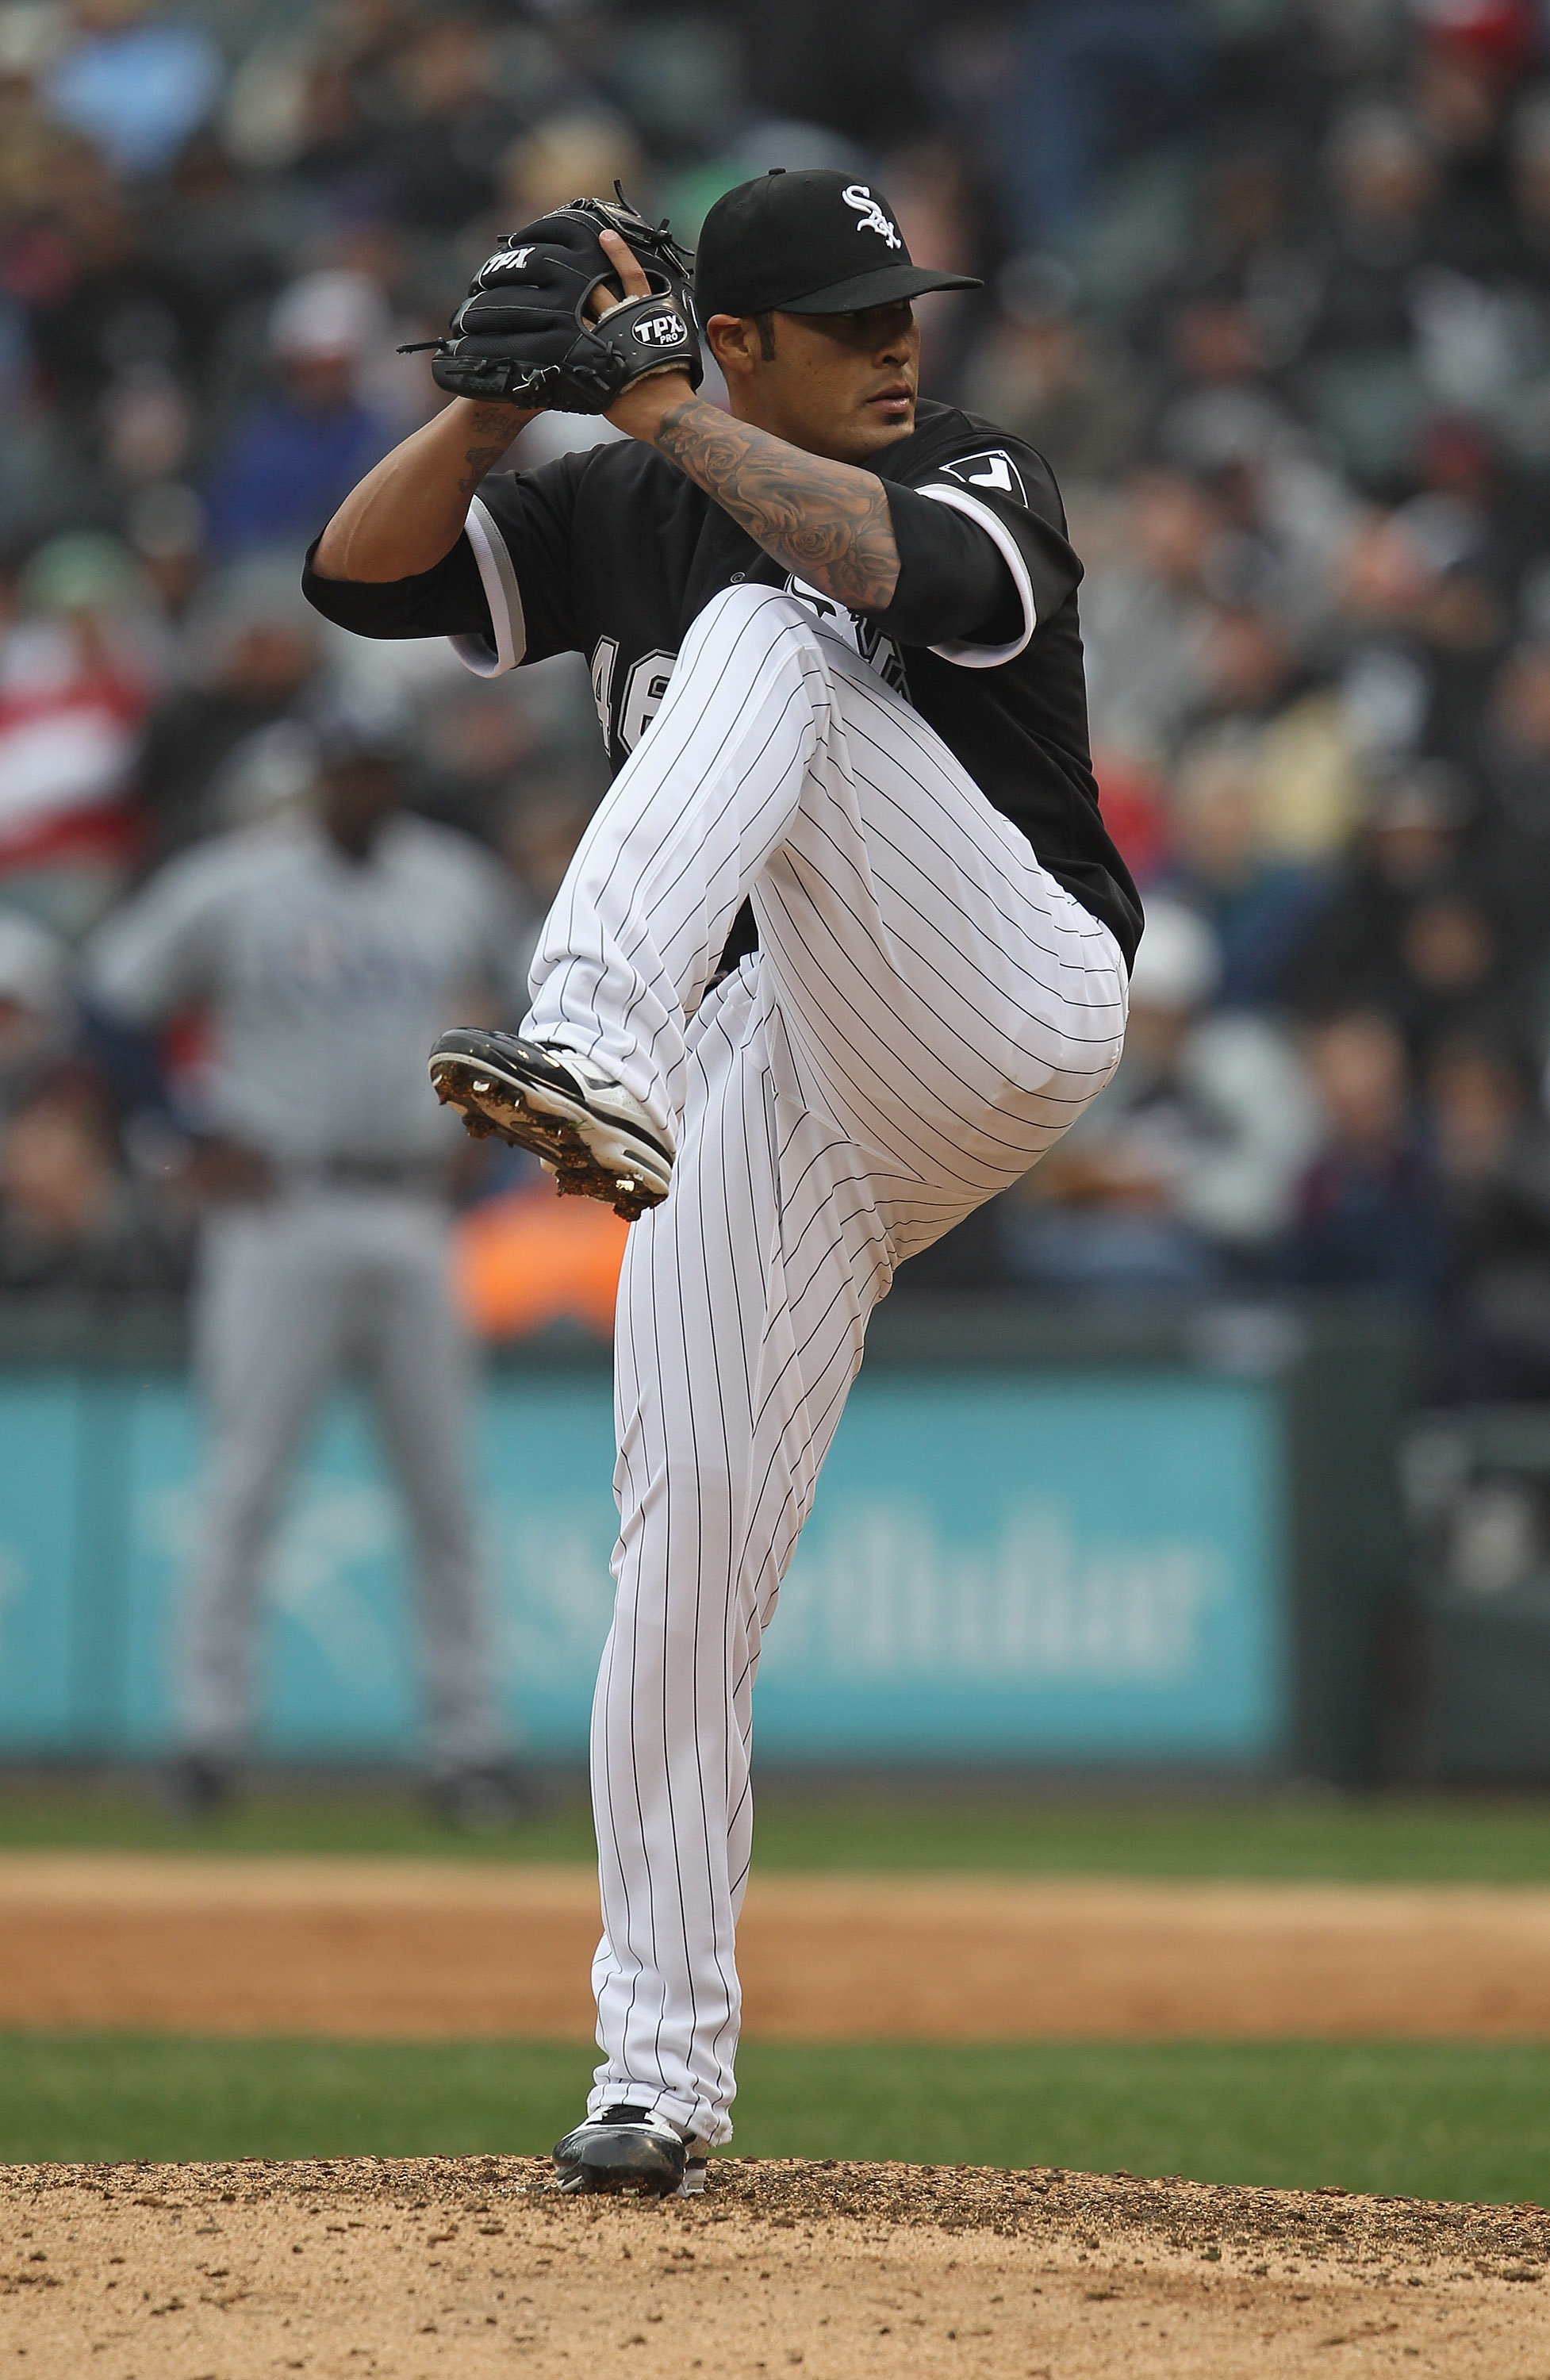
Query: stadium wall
x=1162, y=1543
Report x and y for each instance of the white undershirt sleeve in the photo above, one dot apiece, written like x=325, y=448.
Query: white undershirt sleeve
x=502, y=595
x=970, y=656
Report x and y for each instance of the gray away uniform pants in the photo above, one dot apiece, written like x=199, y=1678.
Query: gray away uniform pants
x=291, y=1294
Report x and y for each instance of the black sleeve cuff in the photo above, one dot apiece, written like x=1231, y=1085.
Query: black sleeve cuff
x=954, y=586
x=446, y=602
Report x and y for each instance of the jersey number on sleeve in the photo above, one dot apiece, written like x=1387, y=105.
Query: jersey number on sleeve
x=604, y=659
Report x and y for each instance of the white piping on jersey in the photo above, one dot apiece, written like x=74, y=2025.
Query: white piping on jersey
x=502, y=595
x=988, y=656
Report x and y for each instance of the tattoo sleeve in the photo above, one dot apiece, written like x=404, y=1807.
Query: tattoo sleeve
x=827, y=521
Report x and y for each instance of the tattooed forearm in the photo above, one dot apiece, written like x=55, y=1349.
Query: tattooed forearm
x=827, y=521
x=491, y=429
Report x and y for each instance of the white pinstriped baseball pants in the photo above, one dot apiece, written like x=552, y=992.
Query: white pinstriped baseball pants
x=926, y=1013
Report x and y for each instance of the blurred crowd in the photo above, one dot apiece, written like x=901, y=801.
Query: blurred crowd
x=1268, y=281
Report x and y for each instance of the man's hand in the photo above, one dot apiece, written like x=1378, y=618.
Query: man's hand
x=639, y=408
x=219, y=1171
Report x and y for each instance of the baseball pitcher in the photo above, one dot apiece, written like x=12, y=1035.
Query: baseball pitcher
x=844, y=949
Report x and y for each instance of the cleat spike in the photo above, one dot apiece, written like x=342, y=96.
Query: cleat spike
x=585, y=1132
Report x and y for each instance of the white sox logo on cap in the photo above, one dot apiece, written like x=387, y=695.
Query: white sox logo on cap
x=858, y=196
x=659, y=330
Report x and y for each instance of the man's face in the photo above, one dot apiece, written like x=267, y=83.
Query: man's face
x=320, y=384
x=838, y=384
x=356, y=798
x=269, y=660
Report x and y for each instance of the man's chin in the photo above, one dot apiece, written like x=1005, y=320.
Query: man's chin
x=876, y=434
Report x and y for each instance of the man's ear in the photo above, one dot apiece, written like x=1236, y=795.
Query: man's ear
x=733, y=340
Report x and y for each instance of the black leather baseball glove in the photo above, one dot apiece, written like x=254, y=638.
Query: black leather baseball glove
x=524, y=333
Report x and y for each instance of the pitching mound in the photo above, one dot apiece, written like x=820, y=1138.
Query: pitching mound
x=477, y=2266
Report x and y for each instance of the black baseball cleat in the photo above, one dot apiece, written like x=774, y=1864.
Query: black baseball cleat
x=631, y=2152
x=591, y=1133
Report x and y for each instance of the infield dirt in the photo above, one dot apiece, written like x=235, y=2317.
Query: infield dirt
x=424, y=2270
x=421, y=1950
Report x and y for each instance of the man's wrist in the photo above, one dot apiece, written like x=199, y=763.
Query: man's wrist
x=484, y=429
x=642, y=407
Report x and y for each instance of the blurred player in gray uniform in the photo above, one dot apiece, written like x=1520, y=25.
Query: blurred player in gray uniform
x=326, y=951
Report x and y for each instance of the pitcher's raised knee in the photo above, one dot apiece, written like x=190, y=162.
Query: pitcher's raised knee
x=754, y=621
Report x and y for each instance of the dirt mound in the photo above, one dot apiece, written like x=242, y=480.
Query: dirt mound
x=424, y=2268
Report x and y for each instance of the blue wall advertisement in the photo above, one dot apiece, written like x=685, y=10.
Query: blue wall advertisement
x=1046, y=1566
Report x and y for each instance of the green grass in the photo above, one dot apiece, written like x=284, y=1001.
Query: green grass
x=1444, y=2122
x=918, y=1825
x=1469, y=2122
x=350, y=1822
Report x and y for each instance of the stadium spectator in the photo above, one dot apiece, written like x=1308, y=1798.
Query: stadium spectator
x=1368, y=1212
x=1513, y=769
x=298, y=452
x=136, y=79
x=1258, y=902
x=1181, y=1173
x=1360, y=374
x=1413, y=934
x=439, y=156
x=102, y=293
x=1064, y=383
x=1492, y=1144
x=1094, y=81
x=36, y=1010
x=70, y=1216
x=79, y=673
x=252, y=654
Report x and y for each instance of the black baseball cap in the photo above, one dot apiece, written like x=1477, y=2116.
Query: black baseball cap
x=810, y=243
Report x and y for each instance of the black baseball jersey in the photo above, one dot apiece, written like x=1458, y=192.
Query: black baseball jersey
x=613, y=552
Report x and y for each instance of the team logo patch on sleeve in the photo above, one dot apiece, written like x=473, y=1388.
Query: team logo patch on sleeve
x=992, y=472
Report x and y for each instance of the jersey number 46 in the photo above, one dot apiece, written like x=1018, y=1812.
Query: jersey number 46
x=639, y=697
